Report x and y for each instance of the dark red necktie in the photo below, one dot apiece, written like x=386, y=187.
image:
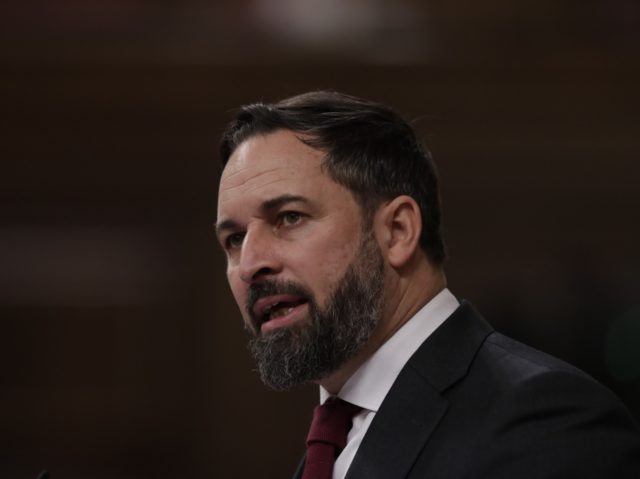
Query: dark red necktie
x=327, y=437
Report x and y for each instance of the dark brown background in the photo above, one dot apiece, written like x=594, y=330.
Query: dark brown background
x=122, y=354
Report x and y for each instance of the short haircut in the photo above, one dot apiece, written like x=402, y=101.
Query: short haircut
x=369, y=149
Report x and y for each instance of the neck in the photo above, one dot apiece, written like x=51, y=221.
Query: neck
x=404, y=297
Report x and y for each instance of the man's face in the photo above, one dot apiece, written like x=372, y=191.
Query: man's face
x=306, y=276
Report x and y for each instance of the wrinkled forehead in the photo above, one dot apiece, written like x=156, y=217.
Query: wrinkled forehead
x=242, y=173
x=270, y=164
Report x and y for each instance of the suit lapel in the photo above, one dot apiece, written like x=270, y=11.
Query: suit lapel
x=416, y=402
x=398, y=432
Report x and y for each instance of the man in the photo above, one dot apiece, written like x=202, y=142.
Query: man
x=329, y=216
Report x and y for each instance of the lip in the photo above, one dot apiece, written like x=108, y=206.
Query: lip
x=263, y=303
x=296, y=314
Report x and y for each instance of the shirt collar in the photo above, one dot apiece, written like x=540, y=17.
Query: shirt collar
x=369, y=385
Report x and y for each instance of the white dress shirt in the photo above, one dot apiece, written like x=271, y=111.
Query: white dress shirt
x=370, y=384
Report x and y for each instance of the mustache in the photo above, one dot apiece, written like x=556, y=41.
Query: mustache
x=270, y=288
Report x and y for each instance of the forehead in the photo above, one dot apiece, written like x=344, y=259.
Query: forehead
x=278, y=163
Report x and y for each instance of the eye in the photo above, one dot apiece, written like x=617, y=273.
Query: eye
x=290, y=218
x=234, y=241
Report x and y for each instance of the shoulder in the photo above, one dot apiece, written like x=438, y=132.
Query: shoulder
x=510, y=410
x=541, y=414
x=520, y=380
x=514, y=362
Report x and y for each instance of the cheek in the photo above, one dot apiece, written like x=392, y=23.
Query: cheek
x=323, y=264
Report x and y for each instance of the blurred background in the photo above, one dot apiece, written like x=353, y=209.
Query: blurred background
x=121, y=352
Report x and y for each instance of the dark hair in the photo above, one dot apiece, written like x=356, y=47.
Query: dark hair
x=369, y=149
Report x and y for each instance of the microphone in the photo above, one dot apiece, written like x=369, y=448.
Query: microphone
x=44, y=475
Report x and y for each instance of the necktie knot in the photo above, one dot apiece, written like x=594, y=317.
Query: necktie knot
x=327, y=437
x=331, y=422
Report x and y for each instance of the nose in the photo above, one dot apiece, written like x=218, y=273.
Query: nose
x=258, y=258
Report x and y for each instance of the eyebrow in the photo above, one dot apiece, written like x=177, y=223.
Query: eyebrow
x=279, y=201
x=265, y=208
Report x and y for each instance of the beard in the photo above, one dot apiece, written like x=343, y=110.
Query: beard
x=310, y=351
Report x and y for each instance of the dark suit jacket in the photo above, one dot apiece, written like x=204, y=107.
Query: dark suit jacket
x=472, y=403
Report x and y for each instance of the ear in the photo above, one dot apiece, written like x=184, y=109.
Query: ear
x=399, y=225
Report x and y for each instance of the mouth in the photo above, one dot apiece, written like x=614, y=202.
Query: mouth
x=277, y=311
